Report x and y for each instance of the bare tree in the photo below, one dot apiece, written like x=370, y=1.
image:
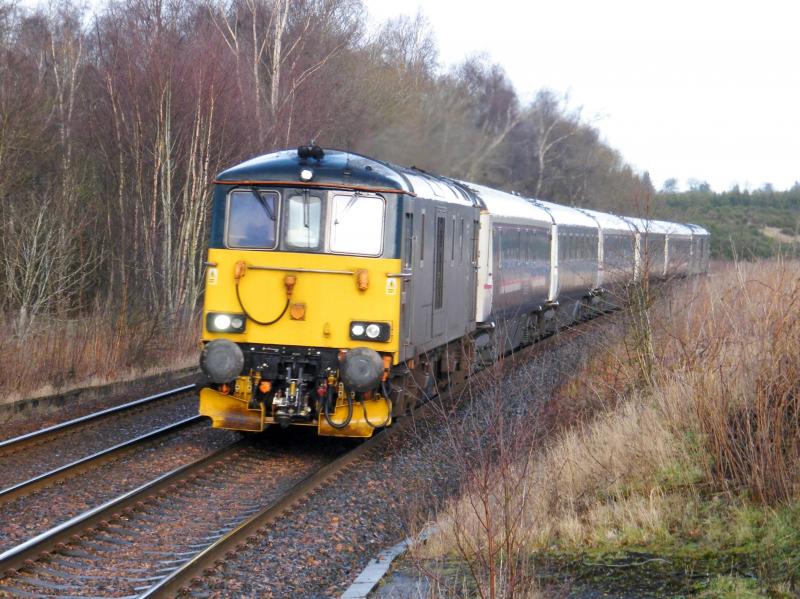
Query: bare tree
x=43, y=267
x=287, y=44
x=552, y=126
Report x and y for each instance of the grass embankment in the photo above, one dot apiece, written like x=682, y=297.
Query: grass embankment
x=675, y=466
x=56, y=356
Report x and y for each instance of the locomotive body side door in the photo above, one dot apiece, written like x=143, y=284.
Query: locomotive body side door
x=408, y=249
x=440, y=243
x=419, y=300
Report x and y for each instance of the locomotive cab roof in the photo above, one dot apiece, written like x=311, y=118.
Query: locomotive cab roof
x=337, y=169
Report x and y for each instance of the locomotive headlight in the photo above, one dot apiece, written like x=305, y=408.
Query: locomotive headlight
x=306, y=174
x=370, y=331
x=222, y=322
x=217, y=322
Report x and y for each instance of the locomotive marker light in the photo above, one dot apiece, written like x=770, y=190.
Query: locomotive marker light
x=370, y=331
x=217, y=322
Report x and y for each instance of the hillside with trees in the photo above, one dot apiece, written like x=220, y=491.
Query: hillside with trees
x=113, y=123
x=743, y=224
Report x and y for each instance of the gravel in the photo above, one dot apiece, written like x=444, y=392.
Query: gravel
x=27, y=516
x=315, y=550
x=47, y=411
x=92, y=437
x=319, y=549
x=130, y=553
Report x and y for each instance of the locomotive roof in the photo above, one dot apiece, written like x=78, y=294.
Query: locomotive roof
x=341, y=169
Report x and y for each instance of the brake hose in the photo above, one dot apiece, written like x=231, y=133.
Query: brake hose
x=388, y=408
x=327, y=409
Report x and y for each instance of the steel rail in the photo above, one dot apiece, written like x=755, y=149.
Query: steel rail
x=34, y=436
x=15, y=558
x=95, y=459
x=173, y=582
x=183, y=575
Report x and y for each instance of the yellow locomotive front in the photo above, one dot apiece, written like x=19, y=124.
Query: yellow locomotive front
x=301, y=321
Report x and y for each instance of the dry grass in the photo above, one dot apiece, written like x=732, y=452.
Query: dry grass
x=699, y=440
x=92, y=350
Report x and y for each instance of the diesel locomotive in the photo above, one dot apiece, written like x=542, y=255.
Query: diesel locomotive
x=339, y=288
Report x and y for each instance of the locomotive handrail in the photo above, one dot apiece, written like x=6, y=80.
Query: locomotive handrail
x=398, y=275
x=314, y=270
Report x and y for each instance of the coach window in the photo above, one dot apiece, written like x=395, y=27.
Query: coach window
x=304, y=214
x=356, y=224
x=498, y=247
x=252, y=219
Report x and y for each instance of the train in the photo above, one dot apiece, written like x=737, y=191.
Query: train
x=341, y=290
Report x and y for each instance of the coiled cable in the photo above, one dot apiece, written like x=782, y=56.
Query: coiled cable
x=248, y=315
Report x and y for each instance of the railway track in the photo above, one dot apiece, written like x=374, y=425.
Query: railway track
x=134, y=541
x=184, y=578
x=161, y=537
x=40, y=436
x=91, y=461
x=30, y=455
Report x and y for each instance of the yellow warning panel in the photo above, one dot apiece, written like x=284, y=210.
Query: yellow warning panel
x=377, y=411
x=228, y=412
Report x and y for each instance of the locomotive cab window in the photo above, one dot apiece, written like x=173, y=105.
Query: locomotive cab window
x=252, y=219
x=357, y=224
x=304, y=215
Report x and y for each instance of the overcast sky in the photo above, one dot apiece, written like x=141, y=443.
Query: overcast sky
x=701, y=89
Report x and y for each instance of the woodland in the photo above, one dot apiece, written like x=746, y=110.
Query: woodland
x=114, y=121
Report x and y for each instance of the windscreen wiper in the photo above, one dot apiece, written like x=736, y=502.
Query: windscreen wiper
x=264, y=204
